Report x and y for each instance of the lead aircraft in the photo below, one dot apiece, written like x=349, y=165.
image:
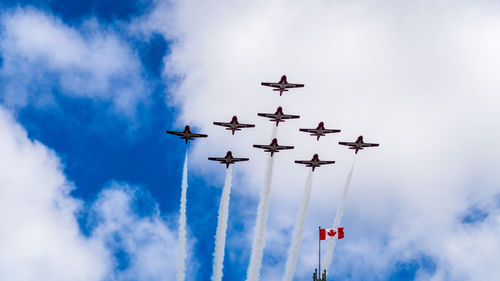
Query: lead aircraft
x=319, y=131
x=314, y=162
x=278, y=116
x=228, y=159
x=187, y=134
x=273, y=147
x=234, y=125
x=282, y=85
x=359, y=144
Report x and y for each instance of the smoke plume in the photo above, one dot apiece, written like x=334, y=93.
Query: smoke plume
x=220, y=236
x=259, y=239
x=293, y=252
x=181, y=257
x=338, y=218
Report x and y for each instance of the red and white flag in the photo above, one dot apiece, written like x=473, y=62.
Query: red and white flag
x=331, y=233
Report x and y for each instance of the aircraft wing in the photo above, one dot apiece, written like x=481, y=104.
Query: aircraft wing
x=263, y=146
x=369, y=144
x=325, y=162
x=217, y=159
x=239, y=159
x=281, y=147
x=316, y=131
x=288, y=116
x=309, y=130
x=330, y=131
x=198, y=135
x=240, y=125
x=175, y=133
x=270, y=84
x=222, y=124
x=347, y=143
x=307, y=162
x=291, y=85
x=267, y=115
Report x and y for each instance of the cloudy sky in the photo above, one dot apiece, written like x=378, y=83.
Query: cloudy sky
x=90, y=184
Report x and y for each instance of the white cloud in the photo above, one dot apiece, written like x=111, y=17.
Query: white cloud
x=39, y=234
x=471, y=252
x=420, y=78
x=41, y=52
x=147, y=241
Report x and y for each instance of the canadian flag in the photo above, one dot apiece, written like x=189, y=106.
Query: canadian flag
x=330, y=233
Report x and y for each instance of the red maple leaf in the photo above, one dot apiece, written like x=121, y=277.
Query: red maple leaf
x=331, y=233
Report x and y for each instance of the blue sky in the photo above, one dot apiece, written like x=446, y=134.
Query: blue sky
x=92, y=141
x=97, y=146
x=128, y=70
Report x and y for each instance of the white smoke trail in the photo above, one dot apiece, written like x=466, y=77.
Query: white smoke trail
x=293, y=252
x=181, y=254
x=259, y=239
x=338, y=218
x=220, y=236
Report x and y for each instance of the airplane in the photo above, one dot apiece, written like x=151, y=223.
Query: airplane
x=273, y=147
x=228, y=159
x=319, y=131
x=314, y=162
x=282, y=85
x=278, y=116
x=234, y=125
x=187, y=134
x=359, y=144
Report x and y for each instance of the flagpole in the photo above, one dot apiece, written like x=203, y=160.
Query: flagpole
x=319, y=252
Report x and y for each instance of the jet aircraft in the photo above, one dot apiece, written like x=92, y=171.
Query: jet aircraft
x=278, y=116
x=273, y=147
x=187, y=134
x=228, y=159
x=282, y=85
x=359, y=144
x=234, y=125
x=314, y=162
x=319, y=131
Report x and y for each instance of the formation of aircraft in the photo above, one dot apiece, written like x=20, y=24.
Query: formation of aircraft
x=273, y=147
x=187, y=134
x=228, y=159
x=282, y=85
x=234, y=125
x=320, y=131
x=278, y=116
x=314, y=162
x=359, y=144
